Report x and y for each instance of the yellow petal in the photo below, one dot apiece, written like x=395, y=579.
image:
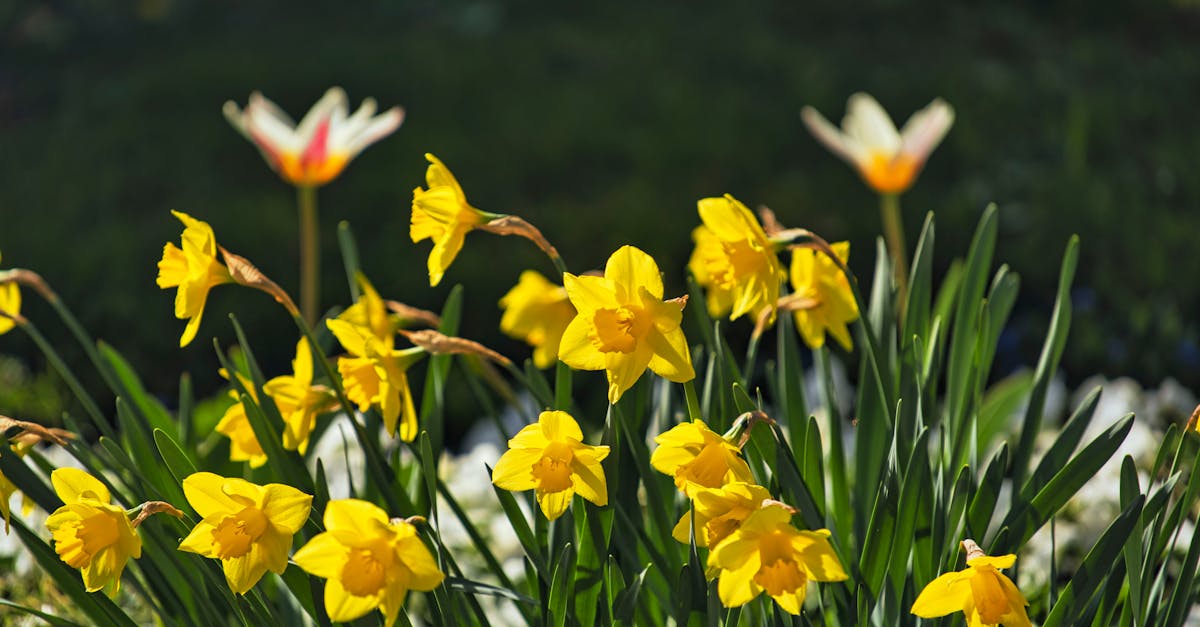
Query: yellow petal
x=72, y=484
x=343, y=606
x=354, y=518
x=555, y=504
x=322, y=556
x=576, y=348
x=630, y=268
x=443, y=254
x=589, y=481
x=193, y=325
x=944, y=595
x=671, y=359
x=624, y=369
x=423, y=570
x=819, y=559
x=589, y=293
x=514, y=470
x=350, y=336
x=438, y=175
x=241, y=573
x=408, y=410
x=736, y=586
x=200, y=540
x=286, y=507
x=559, y=425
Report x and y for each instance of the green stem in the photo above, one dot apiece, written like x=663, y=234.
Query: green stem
x=693, y=401
x=310, y=252
x=893, y=230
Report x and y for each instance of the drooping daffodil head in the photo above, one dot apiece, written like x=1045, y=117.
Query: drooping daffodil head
x=368, y=561
x=235, y=425
x=821, y=297
x=551, y=458
x=980, y=591
x=734, y=260
x=315, y=151
x=698, y=458
x=10, y=304
x=375, y=374
x=247, y=526
x=90, y=532
x=194, y=270
x=767, y=554
x=624, y=326
x=299, y=400
x=442, y=214
x=538, y=312
x=887, y=159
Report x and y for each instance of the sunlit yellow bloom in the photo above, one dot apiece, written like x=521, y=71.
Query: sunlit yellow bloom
x=698, y=458
x=980, y=591
x=248, y=527
x=369, y=561
x=298, y=400
x=720, y=512
x=888, y=160
x=90, y=532
x=537, y=311
x=235, y=425
x=7, y=489
x=734, y=260
x=442, y=214
x=194, y=269
x=768, y=554
x=375, y=374
x=317, y=150
x=624, y=326
x=828, y=300
x=369, y=310
x=550, y=457
x=10, y=303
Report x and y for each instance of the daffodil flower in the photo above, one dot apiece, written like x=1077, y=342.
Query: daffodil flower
x=318, y=149
x=767, y=554
x=10, y=303
x=442, y=214
x=887, y=159
x=247, y=526
x=551, y=458
x=698, y=457
x=7, y=489
x=194, y=269
x=298, y=399
x=821, y=296
x=369, y=561
x=734, y=261
x=624, y=325
x=235, y=425
x=720, y=512
x=375, y=373
x=980, y=591
x=537, y=311
x=90, y=532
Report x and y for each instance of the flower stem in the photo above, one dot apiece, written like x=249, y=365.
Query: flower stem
x=310, y=252
x=893, y=229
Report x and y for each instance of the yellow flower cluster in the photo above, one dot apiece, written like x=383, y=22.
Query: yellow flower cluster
x=753, y=547
x=369, y=560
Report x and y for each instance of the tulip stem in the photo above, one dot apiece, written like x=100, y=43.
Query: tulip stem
x=893, y=230
x=310, y=252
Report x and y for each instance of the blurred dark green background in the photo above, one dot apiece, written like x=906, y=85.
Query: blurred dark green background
x=602, y=124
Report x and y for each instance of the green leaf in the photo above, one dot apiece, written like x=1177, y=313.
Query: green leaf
x=516, y=518
x=349, y=257
x=1095, y=568
x=625, y=605
x=1060, y=451
x=177, y=461
x=49, y=618
x=593, y=529
x=920, y=284
x=559, y=604
x=1029, y=516
x=477, y=587
x=983, y=504
x=1133, y=550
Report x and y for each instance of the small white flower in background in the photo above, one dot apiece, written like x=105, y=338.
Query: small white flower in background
x=887, y=159
x=315, y=151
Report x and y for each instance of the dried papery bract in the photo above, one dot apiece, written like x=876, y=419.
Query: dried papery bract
x=247, y=274
x=438, y=343
x=408, y=313
x=515, y=225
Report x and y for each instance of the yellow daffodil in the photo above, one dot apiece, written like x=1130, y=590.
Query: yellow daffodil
x=235, y=425
x=375, y=373
x=821, y=296
x=441, y=214
x=720, y=512
x=537, y=311
x=980, y=591
x=7, y=489
x=10, y=303
x=90, y=532
x=194, y=269
x=624, y=326
x=369, y=561
x=768, y=554
x=315, y=151
x=369, y=311
x=698, y=458
x=887, y=159
x=298, y=400
x=551, y=458
x=734, y=260
x=248, y=527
